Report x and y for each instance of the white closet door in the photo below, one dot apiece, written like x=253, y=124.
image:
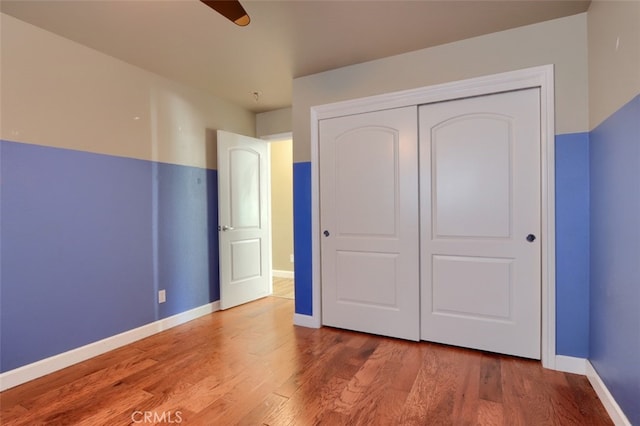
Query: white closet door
x=369, y=218
x=480, y=207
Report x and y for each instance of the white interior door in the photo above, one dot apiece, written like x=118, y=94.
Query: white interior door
x=480, y=210
x=369, y=219
x=243, y=215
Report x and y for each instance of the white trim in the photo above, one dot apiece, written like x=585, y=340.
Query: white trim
x=316, y=288
x=570, y=364
x=496, y=83
x=309, y=321
x=49, y=365
x=278, y=137
x=613, y=409
x=269, y=218
x=548, y=216
x=542, y=77
x=276, y=273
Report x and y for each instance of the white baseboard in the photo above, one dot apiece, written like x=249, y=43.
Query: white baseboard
x=570, y=364
x=46, y=366
x=308, y=321
x=582, y=366
x=282, y=274
x=613, y=409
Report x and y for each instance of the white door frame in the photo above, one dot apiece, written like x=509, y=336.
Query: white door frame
x=542, y=77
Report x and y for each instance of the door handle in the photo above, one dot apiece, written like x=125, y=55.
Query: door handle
x=326, y=233
x=225, y=228
x=531, y=238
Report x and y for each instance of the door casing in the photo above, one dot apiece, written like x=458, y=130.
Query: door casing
x=542, y=77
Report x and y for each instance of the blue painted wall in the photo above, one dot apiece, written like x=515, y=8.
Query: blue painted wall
x=87, y=239
x=187, y=237
x=302, y=238
x=615, y=256
x=572, y=244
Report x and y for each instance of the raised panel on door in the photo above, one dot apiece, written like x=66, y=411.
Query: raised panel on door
x=480, y=199
x=246, y=260
x=368, y=196
x=245, y=170
x=472, y=175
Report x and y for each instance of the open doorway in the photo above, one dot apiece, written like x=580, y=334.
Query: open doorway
x=281, y=148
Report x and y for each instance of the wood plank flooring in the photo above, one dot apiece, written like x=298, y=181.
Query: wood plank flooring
x=283, y=287
x=250, y=366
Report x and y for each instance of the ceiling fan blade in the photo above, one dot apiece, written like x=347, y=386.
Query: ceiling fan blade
x=230, y=9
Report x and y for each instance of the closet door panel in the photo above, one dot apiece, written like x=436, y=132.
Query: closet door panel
x=369, y=219
x=480, y=223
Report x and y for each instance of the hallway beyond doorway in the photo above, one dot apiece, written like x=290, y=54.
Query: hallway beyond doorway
x=283, y=287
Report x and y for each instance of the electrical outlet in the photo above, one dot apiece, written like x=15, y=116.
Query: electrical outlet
x=162, y=296
x=291, y=258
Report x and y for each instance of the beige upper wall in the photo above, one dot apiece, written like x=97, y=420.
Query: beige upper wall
x=58, y=93
x=614, y=56
x=562, y=42
x=281, y=205
x=273, y=122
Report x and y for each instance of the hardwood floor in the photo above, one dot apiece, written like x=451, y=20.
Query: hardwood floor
x=249, y=365
x=283, y=287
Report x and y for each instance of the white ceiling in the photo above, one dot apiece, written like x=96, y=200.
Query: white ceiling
x=187, y=41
